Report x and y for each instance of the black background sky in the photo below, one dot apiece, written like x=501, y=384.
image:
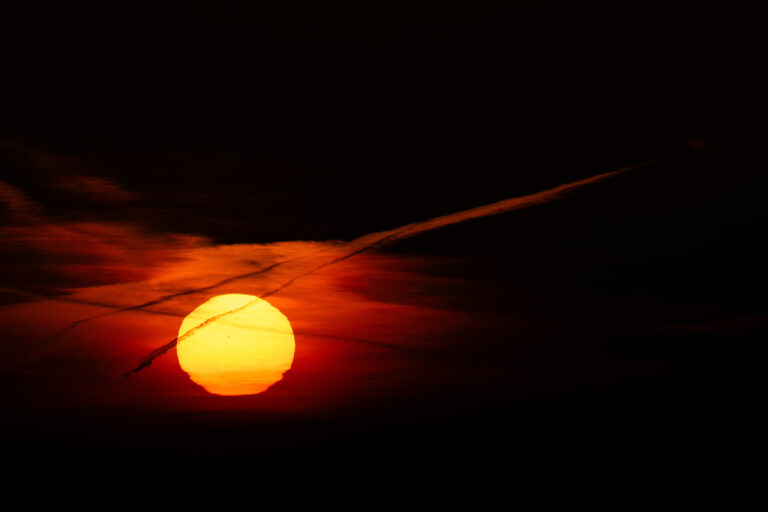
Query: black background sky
x=393, y=111
x=256, y=122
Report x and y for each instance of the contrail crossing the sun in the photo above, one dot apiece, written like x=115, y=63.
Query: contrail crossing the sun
x=384, y=238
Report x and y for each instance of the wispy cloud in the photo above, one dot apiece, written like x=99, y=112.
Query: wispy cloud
x=62, y=173
x=44, y=249
x=94, y=188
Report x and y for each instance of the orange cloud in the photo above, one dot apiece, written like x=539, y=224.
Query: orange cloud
x=87, y=253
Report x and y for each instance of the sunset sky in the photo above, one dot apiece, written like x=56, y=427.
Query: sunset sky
x=517, y=247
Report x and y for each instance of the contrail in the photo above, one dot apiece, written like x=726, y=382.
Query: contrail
x=383, y=238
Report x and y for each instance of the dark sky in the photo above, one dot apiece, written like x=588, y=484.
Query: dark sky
x=615, y=339
x=442, y=83
x=392, y=111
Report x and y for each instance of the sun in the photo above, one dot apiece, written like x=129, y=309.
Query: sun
x=246, y=349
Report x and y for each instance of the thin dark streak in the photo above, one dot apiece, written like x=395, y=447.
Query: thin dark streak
x=402, y=232
x=147, y=360
x=379, y=344
x=151, y=357
x=202, y=289
x=59, y=298
x=70, y=300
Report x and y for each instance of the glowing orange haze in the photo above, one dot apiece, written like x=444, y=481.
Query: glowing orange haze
x=365, y=321
x=236, y=344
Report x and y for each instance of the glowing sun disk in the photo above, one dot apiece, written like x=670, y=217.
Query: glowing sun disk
x=243, y=352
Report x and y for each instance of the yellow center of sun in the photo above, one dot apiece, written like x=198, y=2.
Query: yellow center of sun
x=236, y=345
